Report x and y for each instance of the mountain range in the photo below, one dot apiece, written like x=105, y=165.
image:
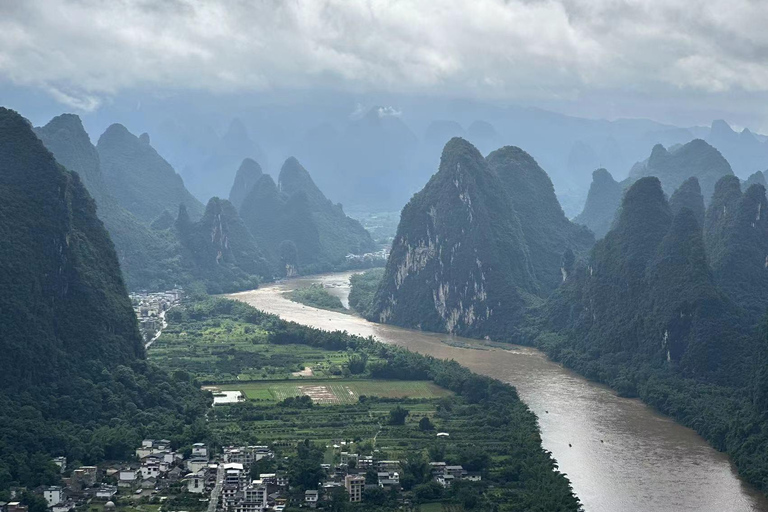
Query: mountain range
x=390, y=144
x=297, y=226
x=669, y=305
x=135, y=202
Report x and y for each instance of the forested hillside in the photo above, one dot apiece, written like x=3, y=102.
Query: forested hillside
x=147, y=258
x=219, y=250
x=73, y=380
x=656, y=312
x=139, y=178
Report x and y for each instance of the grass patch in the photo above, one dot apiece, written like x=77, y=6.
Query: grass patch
x=337, y=391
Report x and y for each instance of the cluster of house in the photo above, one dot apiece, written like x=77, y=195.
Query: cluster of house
x=350, y=474
x=150, y=309
x=226, y=480
x=445, y=475
x=77, y=489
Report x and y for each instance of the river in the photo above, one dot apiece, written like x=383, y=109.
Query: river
x=619, y=454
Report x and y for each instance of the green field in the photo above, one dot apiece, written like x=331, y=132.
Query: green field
x=336, y=391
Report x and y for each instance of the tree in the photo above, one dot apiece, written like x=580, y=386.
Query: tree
x=397, y=415
x=356, y=363
x=425, y=424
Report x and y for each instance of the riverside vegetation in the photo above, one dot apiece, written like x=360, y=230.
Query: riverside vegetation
x=667, y=306
x=362, y=385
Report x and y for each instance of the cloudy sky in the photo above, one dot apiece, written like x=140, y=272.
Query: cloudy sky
x=604, y=58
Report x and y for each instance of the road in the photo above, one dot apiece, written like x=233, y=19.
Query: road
x=214, y=501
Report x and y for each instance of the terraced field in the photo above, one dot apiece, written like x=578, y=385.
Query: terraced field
x=336, y=391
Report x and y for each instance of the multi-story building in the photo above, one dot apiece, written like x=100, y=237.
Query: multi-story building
x=354, y=485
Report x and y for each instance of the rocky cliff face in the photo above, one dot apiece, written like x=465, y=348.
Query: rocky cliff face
x=459, y=262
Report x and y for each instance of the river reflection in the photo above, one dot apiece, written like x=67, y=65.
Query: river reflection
x=624, y=456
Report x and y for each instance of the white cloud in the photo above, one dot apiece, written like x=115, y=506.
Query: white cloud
x=84, y=51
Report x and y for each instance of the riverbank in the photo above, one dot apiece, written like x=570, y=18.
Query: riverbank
x=622, y=454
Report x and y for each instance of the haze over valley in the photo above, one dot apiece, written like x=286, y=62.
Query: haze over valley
x=453, y=256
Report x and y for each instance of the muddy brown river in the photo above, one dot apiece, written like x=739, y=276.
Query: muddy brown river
x=624, y=456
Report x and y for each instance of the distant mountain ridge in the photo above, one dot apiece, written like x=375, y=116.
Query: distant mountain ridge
x=151, y=254
x=297, y=212
x=673, y=167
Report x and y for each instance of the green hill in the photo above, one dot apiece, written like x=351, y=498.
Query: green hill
x=548, y=233
x=219, y=250
x=73, y=380
x=147, y=258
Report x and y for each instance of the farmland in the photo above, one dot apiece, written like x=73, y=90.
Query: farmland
x=336, y=391
x=312, y=395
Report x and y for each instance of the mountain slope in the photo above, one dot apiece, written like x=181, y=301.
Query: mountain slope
x=603, y=199
x=247, y=175
x=647, y=294
x=60, y=263
x=297, y=211
x=688, y=195
x=459, y=262
x=548, y=233
x=73, y=380
x=139, y=178
x=339, y=234
x=146, y=257
x=737, y=240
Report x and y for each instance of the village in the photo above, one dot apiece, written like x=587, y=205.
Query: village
x=150, y=309
x=161, y=479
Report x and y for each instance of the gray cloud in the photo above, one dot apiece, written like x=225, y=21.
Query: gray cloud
x=84, y=52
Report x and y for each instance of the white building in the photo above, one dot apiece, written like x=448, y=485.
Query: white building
x=199, y=450
x=53, y=495
x=194, y=465
x=388, y=478
x=150, y=470
x=127, y=477
x=311, y=497
x=196, y=482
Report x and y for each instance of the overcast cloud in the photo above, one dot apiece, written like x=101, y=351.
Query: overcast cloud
x=84, y=52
